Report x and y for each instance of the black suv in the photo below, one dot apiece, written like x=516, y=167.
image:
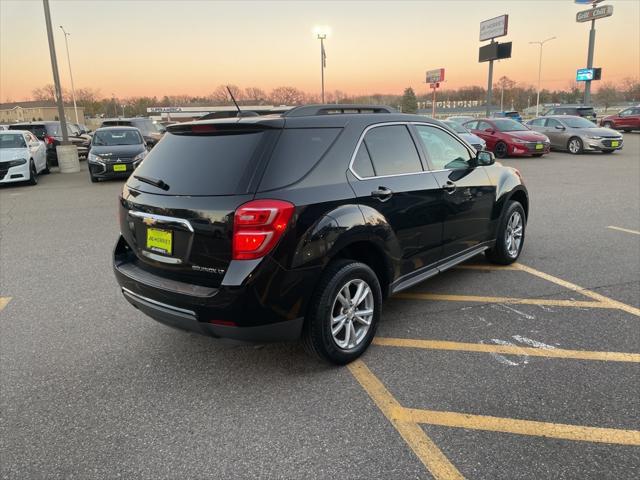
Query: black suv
x=585, y=111
x=50, y=132
x=151, y=131
x=298, y=225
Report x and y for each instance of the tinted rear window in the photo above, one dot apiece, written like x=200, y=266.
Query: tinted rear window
x=219, y=164
x=297, y=152
x=392, y=150
x=38, y=130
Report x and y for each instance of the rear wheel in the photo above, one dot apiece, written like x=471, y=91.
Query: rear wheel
x=510, y=238
x=344, y=312
x=33, y=174
x=46, y=169
x=501, y=150
x=575, y=145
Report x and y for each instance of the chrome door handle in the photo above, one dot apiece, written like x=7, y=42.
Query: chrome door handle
x=449, y=187
x=382, y=193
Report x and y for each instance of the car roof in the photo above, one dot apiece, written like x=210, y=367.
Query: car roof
x=13, y=132
x=44, y=122
x=117, y=127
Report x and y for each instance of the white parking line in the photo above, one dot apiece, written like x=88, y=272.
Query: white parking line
x=626, y=230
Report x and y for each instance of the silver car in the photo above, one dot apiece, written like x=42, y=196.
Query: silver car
x=473, y=140
x=576, y=134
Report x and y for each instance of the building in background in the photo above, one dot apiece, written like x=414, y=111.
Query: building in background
x=36, y=111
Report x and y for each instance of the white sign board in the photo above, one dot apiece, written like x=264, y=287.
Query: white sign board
x=494, y=27
x=594, y=13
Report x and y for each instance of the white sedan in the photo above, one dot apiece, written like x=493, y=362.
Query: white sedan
x=22, y=157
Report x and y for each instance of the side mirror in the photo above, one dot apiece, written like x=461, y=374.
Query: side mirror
x=485, y=158
x=560, y=127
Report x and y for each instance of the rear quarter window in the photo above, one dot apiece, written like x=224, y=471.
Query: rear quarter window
x=297, y=152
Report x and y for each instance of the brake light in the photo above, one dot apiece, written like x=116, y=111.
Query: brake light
x=257, y=227
x=48, y=139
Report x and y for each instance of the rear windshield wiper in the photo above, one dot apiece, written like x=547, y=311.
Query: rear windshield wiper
x=152, y=181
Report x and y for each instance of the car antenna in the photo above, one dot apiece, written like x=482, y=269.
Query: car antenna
x=234, y=101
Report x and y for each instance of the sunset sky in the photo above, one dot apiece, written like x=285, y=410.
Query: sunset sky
x=171, y=47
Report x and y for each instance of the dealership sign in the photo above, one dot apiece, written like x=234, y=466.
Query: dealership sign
x=494, y=27
x=164, y=109
x=435, y=76
x=594, y=13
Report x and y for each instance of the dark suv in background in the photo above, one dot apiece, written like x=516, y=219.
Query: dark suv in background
x=578, y=110
x=151, y=131
x=299, y=225
x=50, y=132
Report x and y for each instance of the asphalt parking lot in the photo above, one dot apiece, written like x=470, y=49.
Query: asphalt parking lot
x=529, y=371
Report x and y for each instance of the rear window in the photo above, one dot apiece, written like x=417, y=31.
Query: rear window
x=297, y=152
x=38, y=130
x=220, y=164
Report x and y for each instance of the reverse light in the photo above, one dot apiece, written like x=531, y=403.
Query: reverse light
x=258, y=226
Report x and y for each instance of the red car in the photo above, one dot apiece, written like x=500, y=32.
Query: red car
x=627, y=120
x=506, y=137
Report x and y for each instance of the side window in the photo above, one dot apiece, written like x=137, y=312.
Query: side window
x=362, y=163
x=73, y=130
x=444, y=151
x=484, y=126
x=538, y=122
x=473, y=125
x=392, y=150
x=625, y=113
x=553, y=123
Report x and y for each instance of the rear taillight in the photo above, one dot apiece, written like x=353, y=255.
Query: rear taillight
x=257, y=227
x=48, y=140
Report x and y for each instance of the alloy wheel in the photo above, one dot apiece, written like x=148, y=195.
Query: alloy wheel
x=352, y=314
x=574, y=146
x=513, y=234
x=501, y=150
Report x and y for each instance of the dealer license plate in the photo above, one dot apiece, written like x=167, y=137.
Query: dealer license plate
x=160, y=240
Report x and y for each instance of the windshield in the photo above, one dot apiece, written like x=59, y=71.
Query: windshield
x=456, y=127
x=116, y=137
x=578, y=122
x=12, y=141
x=506, y=125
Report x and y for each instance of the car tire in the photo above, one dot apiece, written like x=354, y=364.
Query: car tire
x=608, y=151
x=501, y=150
x=46, y=170
x=33, y=174
x=607, y=125
x=627, y=130
x=342, y=341
x=93, y=179
x=508, y=244
x=538, y=155
x=574, y=145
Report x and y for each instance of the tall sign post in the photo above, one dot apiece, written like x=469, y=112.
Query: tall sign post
x=434, y=77
x=490, y=30
x=591, y=15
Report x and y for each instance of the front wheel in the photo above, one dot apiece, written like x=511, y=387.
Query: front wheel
x=607, y=125
x=538, y=155
x=501, y=150
x=608, y=151
x=575, y=146
x=344, y=312
x=33, y=174
x=510, y=238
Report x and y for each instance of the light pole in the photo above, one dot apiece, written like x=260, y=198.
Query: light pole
x=540, y=70
x=321, y=34
x=73, y=90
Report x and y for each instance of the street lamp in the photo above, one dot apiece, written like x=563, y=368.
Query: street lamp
x=321, y=34
x=73, y=91
x=540, y=70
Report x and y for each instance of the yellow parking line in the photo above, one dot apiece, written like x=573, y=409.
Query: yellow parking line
x=507, y=349
x=606, y=301
x=427, y=451
x=3, y=302
x=521, y=427
x=473, y=266
x=624, y=230
x=510, y=300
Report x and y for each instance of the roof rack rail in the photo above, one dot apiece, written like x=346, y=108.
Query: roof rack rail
x=336, y=108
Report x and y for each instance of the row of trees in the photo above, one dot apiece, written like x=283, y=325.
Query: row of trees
x=513, y=95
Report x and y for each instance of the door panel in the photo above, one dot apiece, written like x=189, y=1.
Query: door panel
x=467, y=192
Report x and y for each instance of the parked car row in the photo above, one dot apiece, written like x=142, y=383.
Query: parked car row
x=22, y=157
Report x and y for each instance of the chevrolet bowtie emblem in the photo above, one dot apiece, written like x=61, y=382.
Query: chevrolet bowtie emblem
x=149, y=221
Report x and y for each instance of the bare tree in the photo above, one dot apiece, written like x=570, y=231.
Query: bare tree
x=607, y=95
x=287, y=96
x=255, y=94
x=221, y=95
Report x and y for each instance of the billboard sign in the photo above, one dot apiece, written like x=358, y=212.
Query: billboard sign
x=594, y=13
x=494, y=51
x=494, y=27
x=435, y=76
x=584, y=74
x=588, y=2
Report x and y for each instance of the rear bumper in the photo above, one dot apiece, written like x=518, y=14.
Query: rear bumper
x=266, y=303
x=184, y=319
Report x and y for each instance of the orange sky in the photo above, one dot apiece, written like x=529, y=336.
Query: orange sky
x=145, y=47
